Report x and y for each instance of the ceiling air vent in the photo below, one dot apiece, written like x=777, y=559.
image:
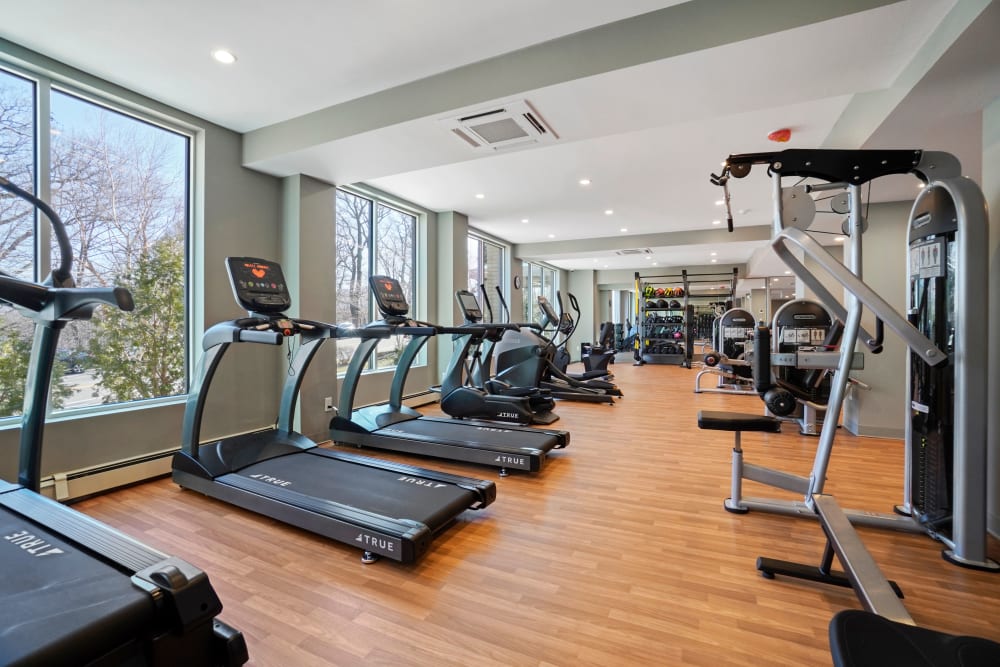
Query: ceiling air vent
x=505, y=126
x=634, y=251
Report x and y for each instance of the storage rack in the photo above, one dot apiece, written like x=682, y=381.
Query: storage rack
x=656, y=343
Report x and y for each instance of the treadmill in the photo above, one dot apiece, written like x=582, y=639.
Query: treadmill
x=386, y=509
x=76, y=591
x=398, y=428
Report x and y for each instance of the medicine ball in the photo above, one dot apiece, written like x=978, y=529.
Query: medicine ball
x=648, y=291
x=675, y=304
x=651, y=304
x=661, y=303
x=678, y=291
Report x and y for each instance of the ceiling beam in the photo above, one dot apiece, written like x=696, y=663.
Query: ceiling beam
x=673, y=31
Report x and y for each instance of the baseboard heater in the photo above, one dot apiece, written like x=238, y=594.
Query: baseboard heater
x=85, y=482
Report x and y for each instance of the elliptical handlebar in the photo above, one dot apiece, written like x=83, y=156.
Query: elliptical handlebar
x=61, y=275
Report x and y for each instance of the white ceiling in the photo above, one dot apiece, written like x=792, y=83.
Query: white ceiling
x=378, y=77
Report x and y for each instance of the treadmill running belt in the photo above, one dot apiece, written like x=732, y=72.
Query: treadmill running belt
x=61, y=605
x=383, y=492
x=475, y=437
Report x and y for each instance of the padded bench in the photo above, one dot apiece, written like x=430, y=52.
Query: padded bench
x=738, y=422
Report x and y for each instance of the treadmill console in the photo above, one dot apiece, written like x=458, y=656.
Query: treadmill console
x=389, y=296
x=258, y=285
x=469, y=305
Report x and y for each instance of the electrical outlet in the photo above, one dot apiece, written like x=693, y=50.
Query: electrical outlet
x=328, y=404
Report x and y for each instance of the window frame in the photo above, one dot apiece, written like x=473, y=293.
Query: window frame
x=45, y=82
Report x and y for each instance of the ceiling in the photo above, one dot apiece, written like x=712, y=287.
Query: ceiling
x=646, y=96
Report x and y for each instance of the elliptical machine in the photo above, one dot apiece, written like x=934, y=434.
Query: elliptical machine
x=565, y=325
x=502, y=402
x=524, y=359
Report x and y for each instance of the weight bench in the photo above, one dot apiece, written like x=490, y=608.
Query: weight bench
x=738, y=423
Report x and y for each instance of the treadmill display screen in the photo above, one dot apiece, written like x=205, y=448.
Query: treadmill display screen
x=470, y=306
x=258, y=284
x=389, y=296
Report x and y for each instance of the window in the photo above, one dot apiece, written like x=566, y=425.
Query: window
x=372, y=238
x=538, y=281
x=121, y=186
x=486, y=268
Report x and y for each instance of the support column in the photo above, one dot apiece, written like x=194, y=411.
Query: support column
x=308, y=260
x=991, y=189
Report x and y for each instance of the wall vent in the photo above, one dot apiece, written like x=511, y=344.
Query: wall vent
x=634, y=251
x=508, y=125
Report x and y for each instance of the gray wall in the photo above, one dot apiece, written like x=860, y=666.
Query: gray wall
x=882, y=411
x=583, y=286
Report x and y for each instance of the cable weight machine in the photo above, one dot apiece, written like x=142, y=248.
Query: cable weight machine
x=945, y=484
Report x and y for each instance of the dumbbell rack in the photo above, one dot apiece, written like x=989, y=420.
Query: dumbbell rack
x=658, y=342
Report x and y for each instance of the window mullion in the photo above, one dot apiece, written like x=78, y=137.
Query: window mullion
x=43, y=175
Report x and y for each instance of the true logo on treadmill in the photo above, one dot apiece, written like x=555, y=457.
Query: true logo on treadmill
x=271, y=480
x=420, y=482
x=507, y=415
x=33, y=544
x=374, y=542
x=510, y=460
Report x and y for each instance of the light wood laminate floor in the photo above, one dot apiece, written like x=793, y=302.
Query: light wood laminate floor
x=617, y=553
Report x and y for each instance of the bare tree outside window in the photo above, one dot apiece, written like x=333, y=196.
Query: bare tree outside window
x=371, y=239
x=120, y=185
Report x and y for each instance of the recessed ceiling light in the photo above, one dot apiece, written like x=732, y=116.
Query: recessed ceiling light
x=609, y=211
x=788, y=273
x=655, y=263
x=717, y=222
x=605, y=266
x=648, y=257
x=743, y=211
x=584, y=181
x=552, y=236
x=719, y=202
x=774, y=280
x=480, y=195
x=623, y=229
x=223, y=56
x=714, y=261
x=713, y=254
x=524, y=221
x=838, y=239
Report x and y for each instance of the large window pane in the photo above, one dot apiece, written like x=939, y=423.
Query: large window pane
x=492, y=271
x=395, y=234
x=486, y=265
x=17, y=231
x=120, y=186
x=475, y=259
x=371, y=239
x=353, y=231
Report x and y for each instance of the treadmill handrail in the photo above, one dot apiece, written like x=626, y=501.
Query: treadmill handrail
x=915, y=340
